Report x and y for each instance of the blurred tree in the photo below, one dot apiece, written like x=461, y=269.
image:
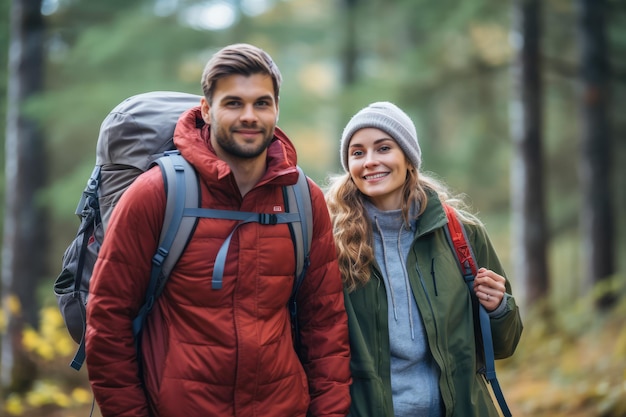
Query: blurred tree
x=348, y=58
x=5, y=7
x=349, y=51
x=24, y=235
x=527, y=180
x=597, y=223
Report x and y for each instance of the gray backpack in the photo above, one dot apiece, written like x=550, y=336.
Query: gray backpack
x=135, y=135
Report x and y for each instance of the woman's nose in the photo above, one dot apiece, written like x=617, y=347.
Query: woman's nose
x=370, y=160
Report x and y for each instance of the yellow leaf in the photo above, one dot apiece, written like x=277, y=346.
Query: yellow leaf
x=14, y=405
x=64, y=345
x=82, y=396
x=31, y=339
x=52, y=316
x=61, y=399
x=3, y=322
x=46, y=351
x=13, y=304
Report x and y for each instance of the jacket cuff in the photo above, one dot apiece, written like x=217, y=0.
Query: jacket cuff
x=502, y=309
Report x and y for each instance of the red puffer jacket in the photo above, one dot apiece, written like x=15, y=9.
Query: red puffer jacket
x=226, y=352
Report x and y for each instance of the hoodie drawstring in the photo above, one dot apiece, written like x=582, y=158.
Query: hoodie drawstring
x=387, y=277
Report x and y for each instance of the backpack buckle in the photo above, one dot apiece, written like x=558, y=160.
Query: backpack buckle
x=270, y=219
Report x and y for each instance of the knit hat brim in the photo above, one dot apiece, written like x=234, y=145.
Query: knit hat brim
x=390, y=119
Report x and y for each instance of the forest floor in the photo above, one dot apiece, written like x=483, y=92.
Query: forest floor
x=571, y=363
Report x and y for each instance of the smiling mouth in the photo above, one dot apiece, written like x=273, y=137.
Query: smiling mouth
x=376, y=176
x=248, y=132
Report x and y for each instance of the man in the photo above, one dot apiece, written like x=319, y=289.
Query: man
x=227, y=351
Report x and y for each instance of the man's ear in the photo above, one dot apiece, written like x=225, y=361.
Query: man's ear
x=205, y=110
x=277, y=110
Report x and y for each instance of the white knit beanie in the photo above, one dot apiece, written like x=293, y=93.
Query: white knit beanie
x=390, y=119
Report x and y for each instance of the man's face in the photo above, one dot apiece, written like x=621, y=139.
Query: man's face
x=242, y=116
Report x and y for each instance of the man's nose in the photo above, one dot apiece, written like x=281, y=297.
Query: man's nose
x=248, y=113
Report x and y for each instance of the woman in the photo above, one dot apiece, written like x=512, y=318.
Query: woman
x=410, y=315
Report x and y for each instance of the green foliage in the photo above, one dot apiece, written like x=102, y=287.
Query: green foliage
x=447, y=66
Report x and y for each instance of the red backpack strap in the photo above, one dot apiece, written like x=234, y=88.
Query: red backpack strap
x=462, y=248
x=457, y=238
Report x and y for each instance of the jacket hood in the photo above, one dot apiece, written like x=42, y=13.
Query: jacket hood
x=192, y=139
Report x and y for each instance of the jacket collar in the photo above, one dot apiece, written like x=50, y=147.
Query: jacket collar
x=433, y=217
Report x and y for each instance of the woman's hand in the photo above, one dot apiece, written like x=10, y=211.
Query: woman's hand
x=489, y=288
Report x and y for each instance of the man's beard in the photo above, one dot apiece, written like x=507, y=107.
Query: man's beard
x=228, y=144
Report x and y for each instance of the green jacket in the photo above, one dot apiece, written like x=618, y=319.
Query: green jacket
x=445, y=306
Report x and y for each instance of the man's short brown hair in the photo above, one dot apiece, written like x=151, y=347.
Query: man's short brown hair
x=241, y=59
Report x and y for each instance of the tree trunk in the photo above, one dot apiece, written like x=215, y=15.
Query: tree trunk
x=24, y=240
x=527, y=178
x=595, y=162
x=349, y=57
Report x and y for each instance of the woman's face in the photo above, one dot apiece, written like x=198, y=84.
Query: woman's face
x=378, y=167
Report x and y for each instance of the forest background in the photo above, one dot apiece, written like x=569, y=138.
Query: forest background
x=506, y=112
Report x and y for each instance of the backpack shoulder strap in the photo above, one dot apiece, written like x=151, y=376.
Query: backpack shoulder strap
x=457, y=239
x=298, y=199
x=455, y=233
x=181, y=188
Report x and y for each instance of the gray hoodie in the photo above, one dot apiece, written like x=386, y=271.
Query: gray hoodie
x=414, y=374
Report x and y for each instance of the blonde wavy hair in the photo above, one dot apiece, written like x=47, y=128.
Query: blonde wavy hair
x=353, y=231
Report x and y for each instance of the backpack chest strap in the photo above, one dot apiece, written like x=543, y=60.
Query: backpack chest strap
x=243, y=217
